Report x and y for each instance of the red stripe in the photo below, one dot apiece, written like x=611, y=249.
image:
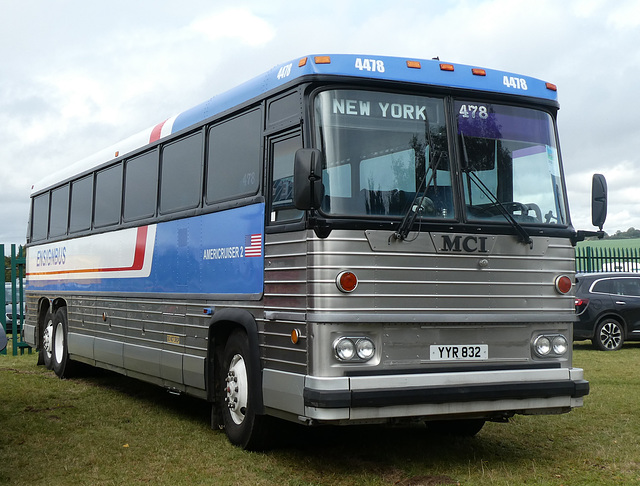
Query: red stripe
x=157, y=130
x=138, y=259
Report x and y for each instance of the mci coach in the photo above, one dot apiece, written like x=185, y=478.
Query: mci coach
x=344, y=239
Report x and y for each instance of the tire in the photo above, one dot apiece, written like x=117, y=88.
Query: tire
x=62, y=365
x=457, y=428
x=46, y=349
x=243, y=426
x=609, y=335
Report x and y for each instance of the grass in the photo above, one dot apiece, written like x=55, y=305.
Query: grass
x=631, y=243
x=106, y=429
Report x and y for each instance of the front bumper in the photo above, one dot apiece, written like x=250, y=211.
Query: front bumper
x=480, y=393
x=444, y=394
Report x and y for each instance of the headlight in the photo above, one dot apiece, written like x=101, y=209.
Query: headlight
x=550, y=346
x=345, y=349
x=559, y=345
x=354, y=349
x=365, y=349
x=542, y=346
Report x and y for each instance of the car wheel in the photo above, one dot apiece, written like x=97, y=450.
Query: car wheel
x=609, y=335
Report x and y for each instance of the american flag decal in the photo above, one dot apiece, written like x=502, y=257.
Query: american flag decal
x=253, y=245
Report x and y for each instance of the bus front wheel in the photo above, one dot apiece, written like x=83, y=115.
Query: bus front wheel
x=242, y=425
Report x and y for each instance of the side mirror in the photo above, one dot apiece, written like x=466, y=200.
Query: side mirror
x=598, y=200
x=307, y=179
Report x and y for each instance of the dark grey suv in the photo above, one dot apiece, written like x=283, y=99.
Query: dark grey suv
x=608, y=309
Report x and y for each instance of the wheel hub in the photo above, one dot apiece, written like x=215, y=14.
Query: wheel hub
x=47, y=338
x=236, y=389
x=610, y=335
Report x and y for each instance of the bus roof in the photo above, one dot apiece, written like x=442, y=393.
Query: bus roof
x=410, y=70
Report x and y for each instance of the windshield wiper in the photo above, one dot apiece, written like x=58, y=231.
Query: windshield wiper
x=416, y=208
x=522, y=233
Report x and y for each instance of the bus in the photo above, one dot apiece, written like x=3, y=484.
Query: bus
x=342, y=240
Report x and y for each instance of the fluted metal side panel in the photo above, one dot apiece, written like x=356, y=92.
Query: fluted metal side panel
x=285, y=302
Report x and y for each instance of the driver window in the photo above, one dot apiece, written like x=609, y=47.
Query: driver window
x=283, y=153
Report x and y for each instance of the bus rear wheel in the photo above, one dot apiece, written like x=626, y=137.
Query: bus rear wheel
x=46, y=350
x=243, y=426
x=60, y=353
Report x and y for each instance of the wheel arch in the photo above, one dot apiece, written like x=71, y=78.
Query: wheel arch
x=222, y=324
x=46, y=305
x=615, y=317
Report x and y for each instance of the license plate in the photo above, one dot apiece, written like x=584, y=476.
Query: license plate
x=459, y=352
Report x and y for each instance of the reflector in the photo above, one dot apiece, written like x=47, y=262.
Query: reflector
x=563, y=284
x=347, y=281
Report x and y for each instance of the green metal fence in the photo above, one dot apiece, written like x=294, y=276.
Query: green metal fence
x=594, y=259
x=16, y=310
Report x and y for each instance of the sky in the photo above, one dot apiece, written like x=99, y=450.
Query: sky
x=77, y=76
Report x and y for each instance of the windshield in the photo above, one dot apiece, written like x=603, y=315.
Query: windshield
x=387, y=156
x=509, y=162
x=381, y=149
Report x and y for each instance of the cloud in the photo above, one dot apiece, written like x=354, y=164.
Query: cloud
x=238, y=24
x=112, y=69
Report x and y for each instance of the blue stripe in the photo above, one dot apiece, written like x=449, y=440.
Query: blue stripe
x=395, y=69
x=201, y=255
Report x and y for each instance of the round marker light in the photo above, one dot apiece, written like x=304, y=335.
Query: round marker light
x=365, y=349
x=295, y=336
x=542, y=346
x=563, y=284
x=345, y=349
x=346, y=282
x=560, y=345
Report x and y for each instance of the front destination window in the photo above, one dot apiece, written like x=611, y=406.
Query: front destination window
x=381, y=149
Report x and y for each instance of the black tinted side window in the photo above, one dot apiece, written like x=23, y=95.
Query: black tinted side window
x=81, y=196
x=40, y=217
x=108, y=196
x=59, y=211
x=141, y=186
x=630, y=287
x=602, y=287
x=233, y=164
x=283, y=155
x=181, y=186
